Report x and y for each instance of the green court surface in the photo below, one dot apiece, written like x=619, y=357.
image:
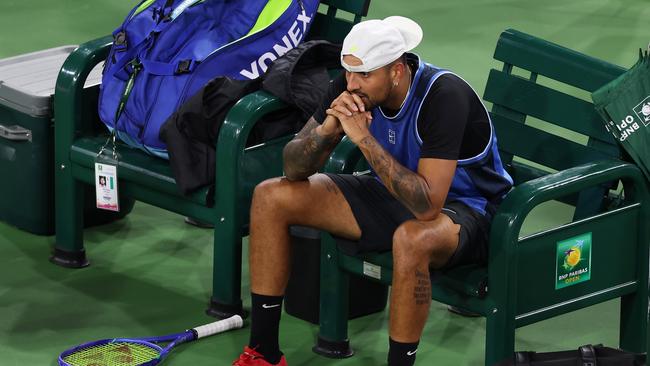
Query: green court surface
x=151, y=273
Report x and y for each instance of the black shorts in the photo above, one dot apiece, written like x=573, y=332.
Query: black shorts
x=379, y=214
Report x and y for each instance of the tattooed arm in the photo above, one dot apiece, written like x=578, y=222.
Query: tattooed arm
x=423, y=192
x=307, y=152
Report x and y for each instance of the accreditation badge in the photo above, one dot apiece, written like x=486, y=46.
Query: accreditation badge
x=106, y=187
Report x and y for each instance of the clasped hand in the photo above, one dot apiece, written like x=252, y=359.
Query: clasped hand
x=351, y=113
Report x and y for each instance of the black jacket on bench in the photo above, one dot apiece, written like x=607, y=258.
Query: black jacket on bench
x=299, y=78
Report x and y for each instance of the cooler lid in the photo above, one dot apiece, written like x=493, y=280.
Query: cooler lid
x=27, y=81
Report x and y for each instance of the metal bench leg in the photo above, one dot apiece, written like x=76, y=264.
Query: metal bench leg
x=499, y=337
x=634, y=322
x=226, y=279
x=333, y=339
x=69, y=248
x=633, y=334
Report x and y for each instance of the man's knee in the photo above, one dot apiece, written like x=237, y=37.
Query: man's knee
x=279, y=195
x=409, y=247
x=268, y=194
x=266, y=188
x=415, y=242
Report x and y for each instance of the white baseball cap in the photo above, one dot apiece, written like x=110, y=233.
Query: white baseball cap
x=379, y=42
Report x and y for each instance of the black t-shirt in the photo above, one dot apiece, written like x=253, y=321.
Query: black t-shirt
x=452, y=123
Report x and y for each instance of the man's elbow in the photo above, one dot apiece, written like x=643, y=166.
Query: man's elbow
x=430, y=214
x=294, y=176
x=287, y=166
x=293, y=173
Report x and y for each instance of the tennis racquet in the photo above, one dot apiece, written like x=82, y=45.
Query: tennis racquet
x=140, y=351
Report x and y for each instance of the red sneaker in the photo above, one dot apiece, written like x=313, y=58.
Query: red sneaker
x=250, y=357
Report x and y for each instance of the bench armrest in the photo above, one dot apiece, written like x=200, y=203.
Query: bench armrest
x=238, y=124
x=231, y=144
x=72, y=77
x=68, y=95
x=241, y=119
x=344, y=158
x=522, y=199
x=517, y=204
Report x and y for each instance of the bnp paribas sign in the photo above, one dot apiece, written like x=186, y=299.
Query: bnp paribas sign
x=573, y=261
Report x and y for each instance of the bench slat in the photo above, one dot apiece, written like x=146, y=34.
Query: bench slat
x=542, y=147
x=332, y=29
x=134, y=166
x=351, y=6
x=554, y=61
x=546, y=104
x=468, y=280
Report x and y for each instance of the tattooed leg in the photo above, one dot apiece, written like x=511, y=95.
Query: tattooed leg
x=417, y=245
x=422, y=289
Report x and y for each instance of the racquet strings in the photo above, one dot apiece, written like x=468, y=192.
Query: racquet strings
x=112, y=354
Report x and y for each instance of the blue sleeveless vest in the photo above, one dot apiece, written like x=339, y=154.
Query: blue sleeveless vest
x=480, y=181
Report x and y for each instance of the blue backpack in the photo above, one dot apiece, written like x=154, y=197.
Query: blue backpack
x=166, y=50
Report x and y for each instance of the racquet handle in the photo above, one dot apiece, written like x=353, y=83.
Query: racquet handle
x=233, y=322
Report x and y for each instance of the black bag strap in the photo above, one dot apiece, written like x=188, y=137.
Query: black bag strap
x=587, y=356
x=166, y=11
x=559, y=358
x=608, y=356
x=523, y=358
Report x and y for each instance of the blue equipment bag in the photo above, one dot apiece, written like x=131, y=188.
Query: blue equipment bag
x=166, y=50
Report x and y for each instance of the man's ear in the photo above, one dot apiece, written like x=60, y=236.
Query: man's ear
x=401, y=68
x=393, y=72
x=396, y=72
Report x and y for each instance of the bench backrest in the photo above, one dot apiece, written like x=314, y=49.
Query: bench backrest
x=332, y=25
x=542, y=111
x=542, y=108
x=545, y=121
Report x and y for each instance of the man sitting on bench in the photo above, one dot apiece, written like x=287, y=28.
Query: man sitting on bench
x=436, y=180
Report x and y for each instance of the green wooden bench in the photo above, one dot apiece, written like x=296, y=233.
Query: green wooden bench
x=149, y=179
x=518, y=286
